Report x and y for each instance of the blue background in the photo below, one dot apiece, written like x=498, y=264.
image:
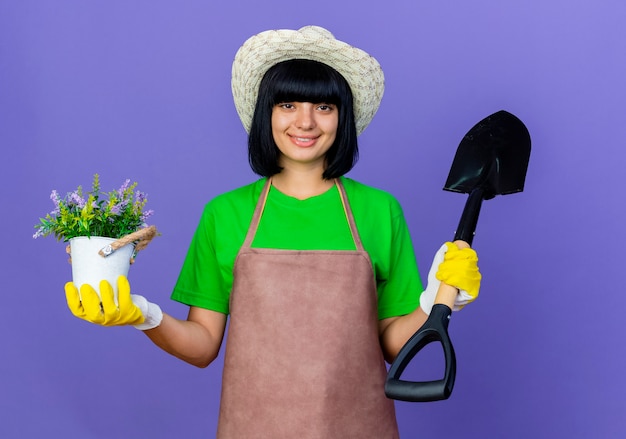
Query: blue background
x=141, y=90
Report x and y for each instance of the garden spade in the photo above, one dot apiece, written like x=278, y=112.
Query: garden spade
x=491, y=160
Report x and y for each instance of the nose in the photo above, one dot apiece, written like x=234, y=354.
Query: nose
x=305, y=117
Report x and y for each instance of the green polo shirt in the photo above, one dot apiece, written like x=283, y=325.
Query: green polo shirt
x=316, y=223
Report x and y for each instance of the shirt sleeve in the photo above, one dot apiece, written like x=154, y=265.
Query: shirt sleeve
x=200, y=282
x=400, y=286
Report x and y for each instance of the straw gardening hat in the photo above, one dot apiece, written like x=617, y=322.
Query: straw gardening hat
x=262, y=51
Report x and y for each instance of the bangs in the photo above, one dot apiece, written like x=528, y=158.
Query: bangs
x=305, y=81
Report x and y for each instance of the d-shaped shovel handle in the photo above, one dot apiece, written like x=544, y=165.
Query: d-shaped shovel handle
x=435, y=329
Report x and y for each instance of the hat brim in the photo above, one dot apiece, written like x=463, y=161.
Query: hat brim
x=264, y=50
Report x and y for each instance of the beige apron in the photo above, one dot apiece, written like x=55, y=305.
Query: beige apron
x=303, y=358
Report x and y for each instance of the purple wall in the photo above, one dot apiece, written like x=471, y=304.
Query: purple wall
x=141, y=90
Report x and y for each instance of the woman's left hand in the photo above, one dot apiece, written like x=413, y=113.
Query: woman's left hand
x=460, y=270
x=457, y=267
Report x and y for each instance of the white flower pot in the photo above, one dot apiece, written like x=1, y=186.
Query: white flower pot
x=89, y=267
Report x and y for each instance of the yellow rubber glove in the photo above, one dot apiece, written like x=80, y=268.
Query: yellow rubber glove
x=103, y=310
x=460, y=269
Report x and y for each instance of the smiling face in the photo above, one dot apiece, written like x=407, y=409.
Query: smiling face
x=303, y=115
x=304, y=132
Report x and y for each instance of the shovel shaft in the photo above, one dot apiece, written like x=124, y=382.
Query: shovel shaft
x=446, y=294
x=467, y=224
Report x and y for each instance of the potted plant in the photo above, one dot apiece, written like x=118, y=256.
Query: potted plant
x=104, y=230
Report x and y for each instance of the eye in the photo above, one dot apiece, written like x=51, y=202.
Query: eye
x=285, y=105
x=326, y=107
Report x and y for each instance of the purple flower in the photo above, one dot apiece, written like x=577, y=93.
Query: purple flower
x=77, y=200
x=140, y=197
x=123, y=188
x=116, y=209
x=147, y=214
x=54, y=196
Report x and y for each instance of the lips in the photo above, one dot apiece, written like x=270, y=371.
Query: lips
x=303, y=141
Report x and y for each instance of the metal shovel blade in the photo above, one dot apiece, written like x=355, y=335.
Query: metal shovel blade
x=493, y=157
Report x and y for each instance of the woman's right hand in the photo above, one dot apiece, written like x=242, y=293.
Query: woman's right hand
x=130, y=309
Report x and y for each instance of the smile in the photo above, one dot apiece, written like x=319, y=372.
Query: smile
x=303, y=139
x=304, y=142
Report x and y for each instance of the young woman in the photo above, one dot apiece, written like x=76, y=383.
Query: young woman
x=316, y=271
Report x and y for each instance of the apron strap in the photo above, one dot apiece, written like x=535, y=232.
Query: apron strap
x=346, y=208
x=258, y=212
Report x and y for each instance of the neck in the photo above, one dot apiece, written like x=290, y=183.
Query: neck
x=301, y=184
